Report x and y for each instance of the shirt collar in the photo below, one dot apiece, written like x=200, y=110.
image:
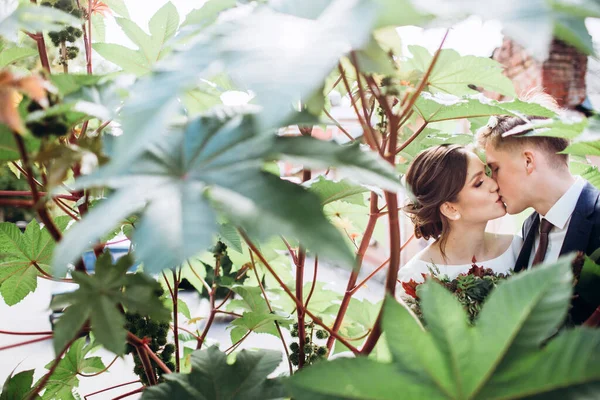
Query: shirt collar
x=561, y=211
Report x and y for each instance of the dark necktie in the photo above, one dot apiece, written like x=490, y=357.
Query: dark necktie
x=545, y=229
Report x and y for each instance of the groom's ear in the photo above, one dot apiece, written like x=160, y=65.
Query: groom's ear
x=450, y=211
x=529, y=161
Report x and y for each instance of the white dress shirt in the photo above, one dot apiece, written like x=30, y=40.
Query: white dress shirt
x=559, y=215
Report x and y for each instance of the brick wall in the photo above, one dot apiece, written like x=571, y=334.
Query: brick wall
x=562, y=75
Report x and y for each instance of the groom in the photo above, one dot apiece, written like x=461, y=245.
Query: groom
x=530, y=173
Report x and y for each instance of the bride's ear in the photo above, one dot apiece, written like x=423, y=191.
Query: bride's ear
x=450, y=211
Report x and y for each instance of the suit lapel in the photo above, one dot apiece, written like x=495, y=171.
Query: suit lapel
x=523, y=259
x=580, y=226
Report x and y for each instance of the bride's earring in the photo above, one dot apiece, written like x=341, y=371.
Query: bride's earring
x=456, y=217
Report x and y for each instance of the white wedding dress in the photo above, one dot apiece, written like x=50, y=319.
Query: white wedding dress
x=501, y=264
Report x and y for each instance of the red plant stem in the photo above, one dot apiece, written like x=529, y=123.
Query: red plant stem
x=42, y=382
x=229, y=313
x=139, y=390
x=148, y=369
x=156, y=359
x=264, y=293
x=340, y=127
x=314, y=283
x=363, y=100
x=175, y=319
x=16, y=203
x=594, y=320
x=89, y=46
x=46, y=275
x=65, y=209
x=42, y=211
x=11, y=346
x=424, y=80
x=211, y=318
x=63, y=54
x=300, y=310
x=190, y=332
x=17, y=166
x=366, y=128
x=26, y=333
x=292, y=252
x=26, y=193
x=99, y=372
x=411, y=138
x=110, y=388
x=392, y=276
x=362, y=249
x=372, y=274
x=299, y=304
x=236, y=344
x=41, y=45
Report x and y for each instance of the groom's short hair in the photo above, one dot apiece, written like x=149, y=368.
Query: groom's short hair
x=495, y=132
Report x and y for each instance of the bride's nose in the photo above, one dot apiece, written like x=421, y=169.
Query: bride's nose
x=494, y=185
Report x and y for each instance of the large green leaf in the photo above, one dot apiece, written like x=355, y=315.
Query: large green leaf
x=118, y=6
x=16, y=387
x=532, y=312
x=129, y=60
x=270, y=53
x=454, y=74
x=8, y=146
x=256, y=322
x=330, y=191
x=21, y=253
x=208, y=13
x=65, y=378
x=213, y=377
x=355, y=379
x=216, y=165
x=510, y=353
x=98, y=298
x=16, y=16
x=440, y=107
x=13, y=54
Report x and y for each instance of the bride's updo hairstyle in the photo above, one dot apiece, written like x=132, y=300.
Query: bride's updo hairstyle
x=434, y=177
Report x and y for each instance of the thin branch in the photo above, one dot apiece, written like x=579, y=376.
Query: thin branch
x=264, y=293
x=156, y=359
x=363, y=100
x=42, y=382
x=314, y=283
x=229, y=313
x=99, y=372
x=411, y=138
x=175, y=319
x=204, y=283
x=299, y=304
x=110, y=388
x=11, y=346
x=366, y=128
x=136, y=391
x=236, y=344
x=26, y=333
x=292, y=252
x=340, y=127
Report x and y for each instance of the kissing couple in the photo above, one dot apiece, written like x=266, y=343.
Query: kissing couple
x=452, y=200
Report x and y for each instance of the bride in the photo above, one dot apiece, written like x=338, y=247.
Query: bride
x=452, y=201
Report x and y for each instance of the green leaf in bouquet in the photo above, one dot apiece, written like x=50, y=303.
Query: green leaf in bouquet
x=212, y=377
x=98, y=298
x=76, y=361
x=21, y=254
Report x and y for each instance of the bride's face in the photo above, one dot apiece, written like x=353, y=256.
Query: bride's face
x=478, y=200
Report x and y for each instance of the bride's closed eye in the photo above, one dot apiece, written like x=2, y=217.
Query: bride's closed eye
x=479, y=183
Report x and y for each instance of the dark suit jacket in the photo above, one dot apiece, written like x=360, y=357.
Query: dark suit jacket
x=583, y=234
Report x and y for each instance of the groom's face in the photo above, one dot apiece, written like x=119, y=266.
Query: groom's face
x=507, y=171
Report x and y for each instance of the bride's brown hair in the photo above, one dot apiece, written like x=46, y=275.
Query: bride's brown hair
x=434, y=177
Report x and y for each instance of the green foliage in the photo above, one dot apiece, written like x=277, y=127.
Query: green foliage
x=22, y=255
x=14, y=54
x=66, y=376
x=219, y=171
x=16, y=387
x=226, y=275
x=16, y=15
x=502, y=356
x=330, y=191
x=213, y=377
x=151, y=47
x=98, y=299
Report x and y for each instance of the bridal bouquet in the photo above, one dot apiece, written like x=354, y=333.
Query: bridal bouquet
x=470, y=288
